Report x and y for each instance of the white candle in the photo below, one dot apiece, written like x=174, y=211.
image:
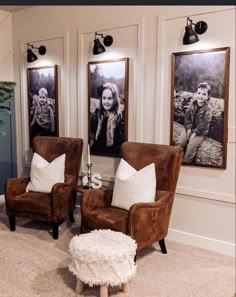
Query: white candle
x=89, y=161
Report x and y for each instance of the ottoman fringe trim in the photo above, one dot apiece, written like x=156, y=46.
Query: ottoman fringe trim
x=91, y=283
x=103, y=257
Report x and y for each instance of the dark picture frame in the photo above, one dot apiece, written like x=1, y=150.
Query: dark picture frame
x=108, y=106
x=43, y=101
x=192, y=72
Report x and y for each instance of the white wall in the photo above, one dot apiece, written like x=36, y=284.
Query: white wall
x=194, y=212
x=204, y=208
x=6, y=48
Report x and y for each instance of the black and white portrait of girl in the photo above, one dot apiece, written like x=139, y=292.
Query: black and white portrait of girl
x=107, y=106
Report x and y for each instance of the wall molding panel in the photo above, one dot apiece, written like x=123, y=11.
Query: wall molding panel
x=187, y=191
x=231, y=135
x=206, y=194
x=170, y=41
x=136, y=69
x=139, y=90
x=63, y=87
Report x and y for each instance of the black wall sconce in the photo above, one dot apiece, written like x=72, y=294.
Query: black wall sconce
x=31, y=57
x=98, y=48
x=190, y=35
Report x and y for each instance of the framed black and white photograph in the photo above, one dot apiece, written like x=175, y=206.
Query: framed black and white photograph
x=199, y=105
x=43, y=101
x=108, y=106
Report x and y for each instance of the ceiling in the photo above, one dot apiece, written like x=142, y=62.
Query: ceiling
x=13, y=8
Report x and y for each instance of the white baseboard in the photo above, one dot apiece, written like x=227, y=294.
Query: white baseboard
x=218, y=246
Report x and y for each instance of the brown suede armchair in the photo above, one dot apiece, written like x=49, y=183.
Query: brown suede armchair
x=146, y=223
x=53, y=207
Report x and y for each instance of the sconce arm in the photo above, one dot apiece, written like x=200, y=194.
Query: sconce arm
x=98, y=34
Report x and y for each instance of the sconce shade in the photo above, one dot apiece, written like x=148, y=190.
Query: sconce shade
x=98, y=48
x=31, y=57
x=190, y=36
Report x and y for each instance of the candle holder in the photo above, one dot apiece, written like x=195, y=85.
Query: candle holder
x=89, y=177
x=89, y=174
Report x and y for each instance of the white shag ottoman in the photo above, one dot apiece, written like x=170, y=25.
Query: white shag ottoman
x=102, y=257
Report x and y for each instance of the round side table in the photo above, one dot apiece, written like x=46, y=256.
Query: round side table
x=102, y=257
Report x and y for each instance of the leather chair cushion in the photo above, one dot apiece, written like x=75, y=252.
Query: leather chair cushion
x=108, y=218
x=32, y=202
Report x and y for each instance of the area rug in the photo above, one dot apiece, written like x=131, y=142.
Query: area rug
x=32, y=264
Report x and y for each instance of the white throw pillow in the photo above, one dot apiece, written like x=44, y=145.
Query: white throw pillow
x=132, y=186
x=43, y=175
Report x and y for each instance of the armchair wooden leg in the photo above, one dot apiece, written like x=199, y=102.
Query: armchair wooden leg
x=55, y=230
x=163, y=246
x=71, y=217
x=12, y=223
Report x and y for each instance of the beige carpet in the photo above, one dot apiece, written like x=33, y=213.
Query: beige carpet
x=32, y=264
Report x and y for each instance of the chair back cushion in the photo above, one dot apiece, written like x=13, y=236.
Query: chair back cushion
x=167, y=160
x=43, y=175
x=132, y=186
x=50, y=148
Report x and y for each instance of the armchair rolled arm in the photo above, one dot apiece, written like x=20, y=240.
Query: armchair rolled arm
x=95, y=198
x=146, y=218
x=63, y=199
x=15, y=186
